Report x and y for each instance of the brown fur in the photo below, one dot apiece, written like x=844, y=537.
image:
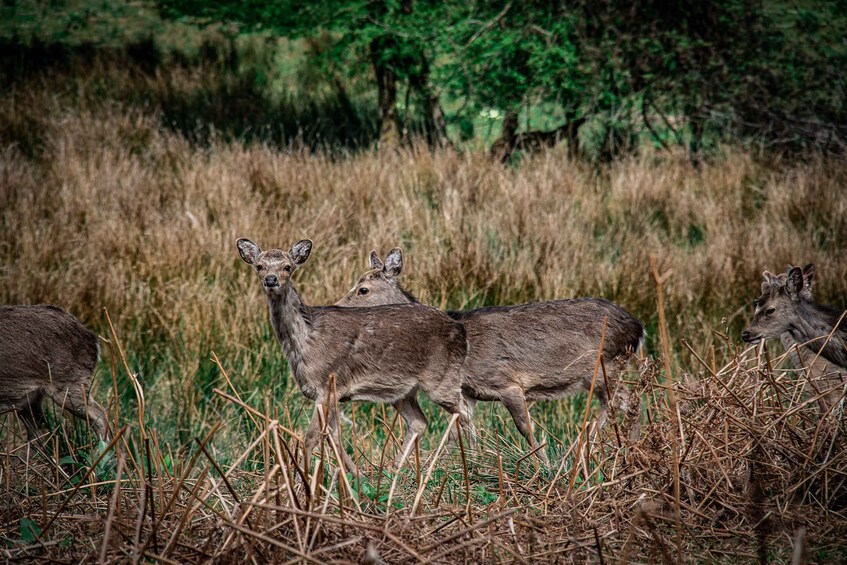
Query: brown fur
x=527, y=352
x=786, y=310
x=44, y=351
x=382, y=354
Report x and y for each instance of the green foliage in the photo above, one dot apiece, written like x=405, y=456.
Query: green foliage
x=482, y=494
x=684, y=72
x=635, y=74
x=29, y=530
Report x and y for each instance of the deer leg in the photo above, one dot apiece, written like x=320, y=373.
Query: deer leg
x=450, y=397
x=347, y=461
x=310, y=441
x=416, y=423
x=471, y=404
x=515, y=402
x=32, y=415
x=76, y=400
x=460, y=407
x=468, y=406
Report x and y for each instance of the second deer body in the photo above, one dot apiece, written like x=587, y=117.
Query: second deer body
x=47, y=352
x=519, y=354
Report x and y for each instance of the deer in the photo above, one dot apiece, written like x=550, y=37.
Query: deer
x=377, y=354
x=47, y=352
x=787, y=310
x=527, y=352
x=797, y=352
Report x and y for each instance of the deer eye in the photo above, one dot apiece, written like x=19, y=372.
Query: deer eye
x=287, y=268
x=770, y=311
x=363, y=291
x=260, y=268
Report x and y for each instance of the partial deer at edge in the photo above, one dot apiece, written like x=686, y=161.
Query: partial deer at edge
x=787, y=310
x=380, y=354
x=519, y=354
x=44, y=351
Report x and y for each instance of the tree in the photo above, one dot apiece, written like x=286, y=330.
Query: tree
x=678, y=71
x=388, y=35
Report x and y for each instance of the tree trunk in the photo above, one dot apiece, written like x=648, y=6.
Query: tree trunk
x=386, y=83
x=435, y=127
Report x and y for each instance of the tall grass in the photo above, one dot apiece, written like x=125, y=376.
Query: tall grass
x=116, y=211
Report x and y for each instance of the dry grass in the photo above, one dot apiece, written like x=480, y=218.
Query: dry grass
x=762, y=475
x=117, y=212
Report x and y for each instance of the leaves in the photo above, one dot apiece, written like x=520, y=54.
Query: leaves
x=29, y=530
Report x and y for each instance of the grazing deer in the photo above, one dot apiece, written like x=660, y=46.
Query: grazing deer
x=382, y=354
x=523, y=353
x=787, y=310
x=44, y=351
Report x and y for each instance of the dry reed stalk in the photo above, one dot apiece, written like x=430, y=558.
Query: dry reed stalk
x=419, y=492
x=406, y=453
x=382, y=451
x=81, y=483
x=672, y=408
x=318, y=521
x=465, y=472
x=336, y=449
x=232, y=387
x=113, y=510
x=292, y=497
x=291, y=433
x=139, y=392
x=113, y=406
x=186, y=515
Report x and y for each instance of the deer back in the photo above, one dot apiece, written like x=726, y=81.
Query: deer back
x=379, y=353
x=43, y=346
x=547, y=347
x=544, y=347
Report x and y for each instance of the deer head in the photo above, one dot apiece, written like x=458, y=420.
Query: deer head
x=778, y=307
x=379, y=285
x=274, y=267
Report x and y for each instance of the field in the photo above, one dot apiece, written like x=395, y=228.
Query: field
x=111, y=212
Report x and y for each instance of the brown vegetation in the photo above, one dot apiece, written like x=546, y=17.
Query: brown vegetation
x=113, y=210
x=761, y=475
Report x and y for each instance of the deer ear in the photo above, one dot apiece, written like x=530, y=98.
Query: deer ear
x=794, y=283
x=300, y=251
x=248, y=250
x=393, y=263
x=375, y=262
x=808, y=280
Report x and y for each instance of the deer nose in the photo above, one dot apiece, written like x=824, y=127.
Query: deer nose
x=745, y=335
x=271, y=280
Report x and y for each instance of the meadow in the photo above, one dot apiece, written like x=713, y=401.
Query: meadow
x=110, y=210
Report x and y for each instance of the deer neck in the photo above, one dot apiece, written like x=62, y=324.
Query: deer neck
x=405, y=295
x=291, y=327
x=816, y=323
